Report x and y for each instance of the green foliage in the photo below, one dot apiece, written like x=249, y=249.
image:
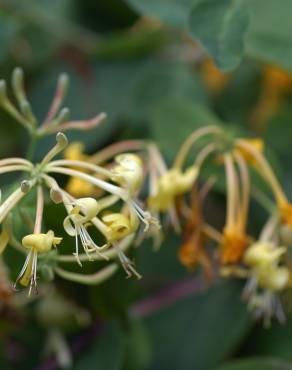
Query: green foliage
x=257, y=364
x=227, y=22
x=183, y=334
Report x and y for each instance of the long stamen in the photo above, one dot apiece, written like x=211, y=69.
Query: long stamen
x=110, y=254
x=126, y=263
x=185, y=148
x=79, y=125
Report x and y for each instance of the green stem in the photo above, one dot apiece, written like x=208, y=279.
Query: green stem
x=31, y=147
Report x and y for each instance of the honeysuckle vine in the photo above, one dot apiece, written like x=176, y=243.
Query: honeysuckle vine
x=105, y=214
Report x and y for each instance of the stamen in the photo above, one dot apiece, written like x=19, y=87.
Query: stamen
x=126, y=263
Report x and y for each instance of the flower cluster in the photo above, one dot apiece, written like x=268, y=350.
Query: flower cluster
x=103, y=223
x=262, y=261
x=104, y=215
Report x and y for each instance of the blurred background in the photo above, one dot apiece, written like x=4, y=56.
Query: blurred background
x=155, y=68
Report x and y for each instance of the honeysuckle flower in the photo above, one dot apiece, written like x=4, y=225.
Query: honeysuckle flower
x=170, y=185
x=263, y=253
x=235, y=240
x=266, y=280
x=81, y=213
x=75, y=152
x=119, y=225
x=37, y=243
x=128, y=172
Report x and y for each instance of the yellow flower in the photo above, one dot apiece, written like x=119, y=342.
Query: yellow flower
x=119, y=225
x=263, y=254
x=36, y=243
x=128, y=172
x=273, y=278
x=41, y=243
x=75, y=224
x=76, y=186
x=170, y=185
x=75, y=152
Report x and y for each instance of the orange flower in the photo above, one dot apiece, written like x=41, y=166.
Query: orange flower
x=233, y=246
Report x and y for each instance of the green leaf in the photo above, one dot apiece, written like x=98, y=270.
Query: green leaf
x=221, y=26
x=199, y=331
x=138, y=347
x=264, y=363
x=276, y=341
x=106, y=352
x=269, y=36
x=174, y=12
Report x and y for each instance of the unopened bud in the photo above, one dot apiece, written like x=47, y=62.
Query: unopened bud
x=27, y=112
x=18, y=84
x=62, y=139
x=56, y=195
x=25, y=186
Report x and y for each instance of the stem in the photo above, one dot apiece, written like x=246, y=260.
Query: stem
x=31, y=148
x=91, y=279
x=39, y=210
